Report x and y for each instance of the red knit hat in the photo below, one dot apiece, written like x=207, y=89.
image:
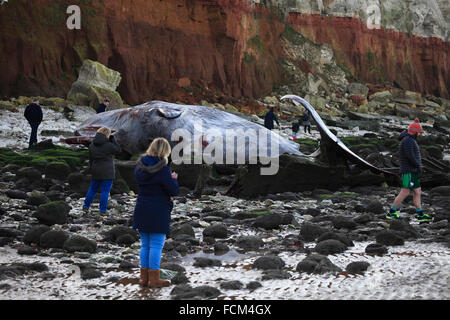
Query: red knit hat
x=415, y=127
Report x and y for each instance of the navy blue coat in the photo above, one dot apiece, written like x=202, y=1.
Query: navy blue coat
x=410, y=159
x=33, y=113
x=156, y=186
x=269, y=119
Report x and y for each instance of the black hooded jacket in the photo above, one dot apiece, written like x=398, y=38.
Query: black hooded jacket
x=410, y=159
x=33, y=113
x=101, y=157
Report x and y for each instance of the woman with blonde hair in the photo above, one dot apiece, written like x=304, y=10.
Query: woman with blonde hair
x=157, y=186
x=101, y=161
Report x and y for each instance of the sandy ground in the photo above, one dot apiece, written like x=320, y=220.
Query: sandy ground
x=412, y=271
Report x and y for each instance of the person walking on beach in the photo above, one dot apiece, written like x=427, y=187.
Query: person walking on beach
x=33, y=114
x=102, y=106
x=101, y=160
x=410, y=169
x=306, y=121
x=157, y=185
x=269, y=118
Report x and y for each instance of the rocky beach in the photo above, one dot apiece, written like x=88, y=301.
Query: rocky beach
x=316, y=230
x=316, y=244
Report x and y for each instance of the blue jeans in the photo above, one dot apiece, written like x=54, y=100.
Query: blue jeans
x=151, y=249
x=33, y=136
x=105, y=186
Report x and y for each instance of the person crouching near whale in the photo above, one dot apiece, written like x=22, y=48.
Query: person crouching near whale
x=157, y=185
x=101, y=161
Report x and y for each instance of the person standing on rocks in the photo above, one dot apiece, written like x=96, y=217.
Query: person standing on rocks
x=151, y=217
x=410, y=169
x=306, y=121
x=33, y=114
x=269, y=118
x=101, y=160
x=102, y=106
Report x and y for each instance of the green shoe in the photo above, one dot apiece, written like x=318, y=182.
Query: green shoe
x=424, y=217
x=392, y=215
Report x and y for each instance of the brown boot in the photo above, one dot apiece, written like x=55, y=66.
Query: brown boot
x=143, y=281
x=154, y=281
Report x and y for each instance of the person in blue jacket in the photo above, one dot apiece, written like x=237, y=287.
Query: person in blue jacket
x=33, y=114
x=269, y=118
x=156, y=186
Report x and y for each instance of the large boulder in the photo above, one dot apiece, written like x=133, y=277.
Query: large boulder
x=126, y=171
x=216, y=231
x=309, y=231
x=330, y=246
x=51, y=213
x=33, y=235
x=184, y=228
x=268, y=263
x=268, y=222
x=249, y=242
x=30, y=173
x=389, y=238
x=79, y=244
x=117, y=232
x=58, y=170
x=53, y=239
x=79, y=182
x=358, y=89
x=318, y=264
x=297, y=174
x=94, y=84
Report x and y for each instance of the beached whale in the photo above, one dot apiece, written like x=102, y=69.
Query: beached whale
x=202, y=127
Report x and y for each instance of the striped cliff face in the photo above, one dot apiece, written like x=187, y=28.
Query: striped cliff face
x=235, y=47
x=383, y=41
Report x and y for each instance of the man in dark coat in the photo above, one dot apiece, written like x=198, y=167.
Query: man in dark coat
x=102, y=106
x=410, y=169
x=101, y=160
x=33, y=114
x=306, y=121
x=269, y=119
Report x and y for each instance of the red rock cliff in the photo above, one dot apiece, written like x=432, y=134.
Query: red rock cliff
x=377, y=55
x=216, y=44
x=219, y=44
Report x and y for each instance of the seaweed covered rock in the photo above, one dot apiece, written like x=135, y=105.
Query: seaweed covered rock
x=51, y=213
x=94, y=84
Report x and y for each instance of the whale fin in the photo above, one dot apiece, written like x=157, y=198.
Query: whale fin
x=169, y=114
x=322, y=127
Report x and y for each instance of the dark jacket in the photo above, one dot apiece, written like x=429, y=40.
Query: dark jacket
x=410, y=159
x=101, y=108
x=101, y=157
x=306, y=118
x=269, y=119
x=156, y=186
x=33, y=113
